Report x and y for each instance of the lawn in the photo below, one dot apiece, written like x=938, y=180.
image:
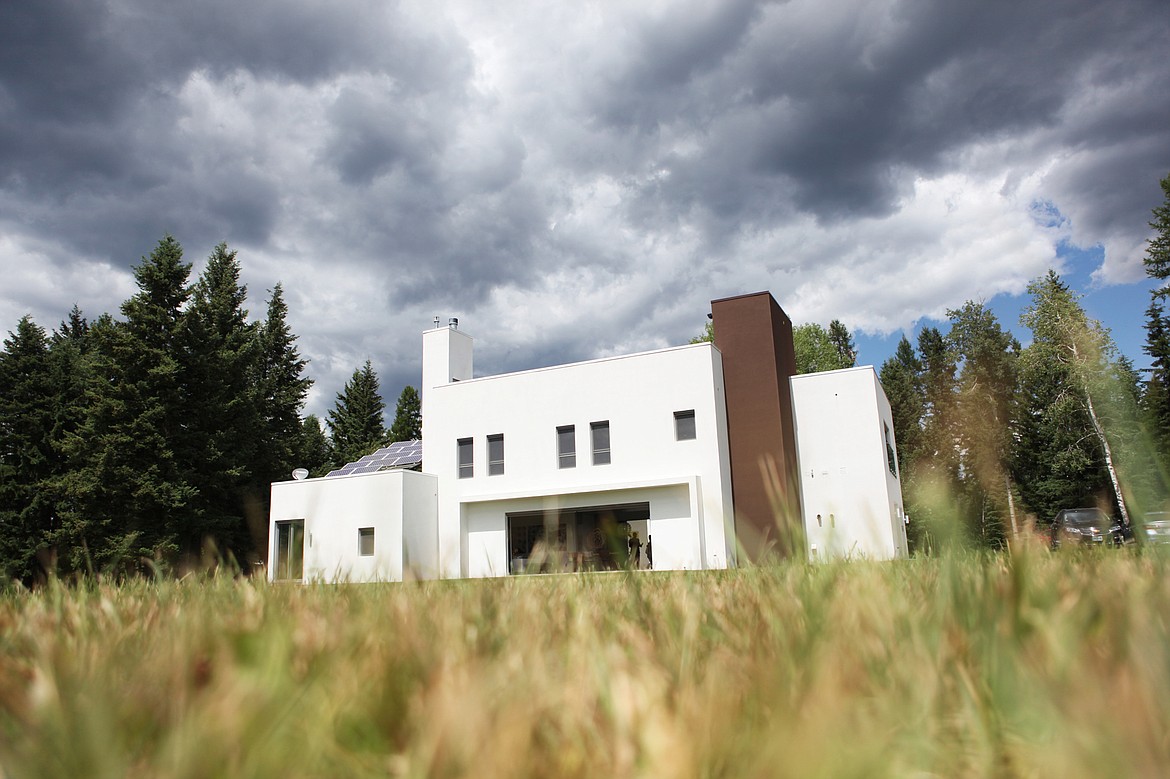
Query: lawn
x=1026, y=665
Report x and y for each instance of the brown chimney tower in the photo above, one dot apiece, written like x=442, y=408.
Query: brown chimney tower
x=754, y=336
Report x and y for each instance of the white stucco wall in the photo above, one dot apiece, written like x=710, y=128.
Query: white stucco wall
x=844, y=474
x=399, y=505
x=638, y=395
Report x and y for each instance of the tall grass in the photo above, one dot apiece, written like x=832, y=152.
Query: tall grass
x=1032, y=665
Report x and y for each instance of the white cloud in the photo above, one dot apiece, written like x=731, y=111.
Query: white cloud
x=576, y=179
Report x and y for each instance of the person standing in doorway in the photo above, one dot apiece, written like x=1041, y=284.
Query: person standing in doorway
x=649, y=552
x=635, y=551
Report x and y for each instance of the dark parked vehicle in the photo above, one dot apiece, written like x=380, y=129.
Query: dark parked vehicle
x=1155, y=528
x=1085, y=526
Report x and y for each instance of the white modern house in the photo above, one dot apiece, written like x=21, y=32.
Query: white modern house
x=687, y=455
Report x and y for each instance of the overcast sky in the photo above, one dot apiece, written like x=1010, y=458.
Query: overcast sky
x=580, y=179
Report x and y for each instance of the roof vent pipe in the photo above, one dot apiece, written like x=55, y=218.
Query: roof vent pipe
x=454, y=323
x=437, y=320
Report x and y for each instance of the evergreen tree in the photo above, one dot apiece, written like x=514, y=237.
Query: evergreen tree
x=129, y=495
x=69, y=360
x=27, y=457
x=223, y=428
x=901, y=377
x=843, y=342
x=281, y=387
x=935, y=496
x=1157, y=260
x=356, y=423
x=313, y=450
x=407, y=417
x=984, y=407
x=1156, y=399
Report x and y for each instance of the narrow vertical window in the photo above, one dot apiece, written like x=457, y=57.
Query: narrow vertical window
x=600, y=434
x=891, y=458
x=466, y=461
x=684, y=425
x=495, y=454
x=366, y=541
x=290, y=549
x=567, y=446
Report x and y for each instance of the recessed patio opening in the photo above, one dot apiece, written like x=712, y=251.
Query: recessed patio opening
x=593, y=538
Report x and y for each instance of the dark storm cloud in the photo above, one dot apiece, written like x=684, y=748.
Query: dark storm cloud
x=89, y=115
x=603, y=169
x=842, y=114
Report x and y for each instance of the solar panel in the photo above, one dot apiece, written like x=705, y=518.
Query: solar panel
x=402, y=454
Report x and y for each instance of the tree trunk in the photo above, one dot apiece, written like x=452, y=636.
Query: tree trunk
x=1007, y=483
x=1108, y=460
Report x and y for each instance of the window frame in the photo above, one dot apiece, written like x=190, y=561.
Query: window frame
x=566, y=458
x=363, y=534
x=465, y=470
x=602, y=455
x=681, y=418
x=891, y=455
x=495, y=465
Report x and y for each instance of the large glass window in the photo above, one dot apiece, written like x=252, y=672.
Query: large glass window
x=466, y=458
x=567, y=446
x=495, y=454
x=600, y=434
x=684, y=425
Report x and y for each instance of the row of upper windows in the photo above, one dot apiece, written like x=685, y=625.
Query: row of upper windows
x=684, y=430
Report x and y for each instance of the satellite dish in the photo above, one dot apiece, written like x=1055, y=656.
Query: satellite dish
x=300, y=473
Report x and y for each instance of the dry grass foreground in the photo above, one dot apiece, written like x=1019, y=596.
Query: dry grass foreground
x=1033, y=665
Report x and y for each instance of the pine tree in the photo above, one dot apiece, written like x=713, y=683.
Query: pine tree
x=901, y=379
x=313, y=449
x=223, y=428
x=1157, y=260
x=356, y=424
x=129, y=496
x=843, y=342
x=27, y=457
x=985, y=408
x=1156, y=398
x=407, y=417
x=935, y=496
x=281, y=387
x=70, y=363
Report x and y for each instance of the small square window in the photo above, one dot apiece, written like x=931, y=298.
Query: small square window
x=600, y=434
x=495, y=454
x=684, y=425
x=465, y=458
x=366, y=541
x=567, y=446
